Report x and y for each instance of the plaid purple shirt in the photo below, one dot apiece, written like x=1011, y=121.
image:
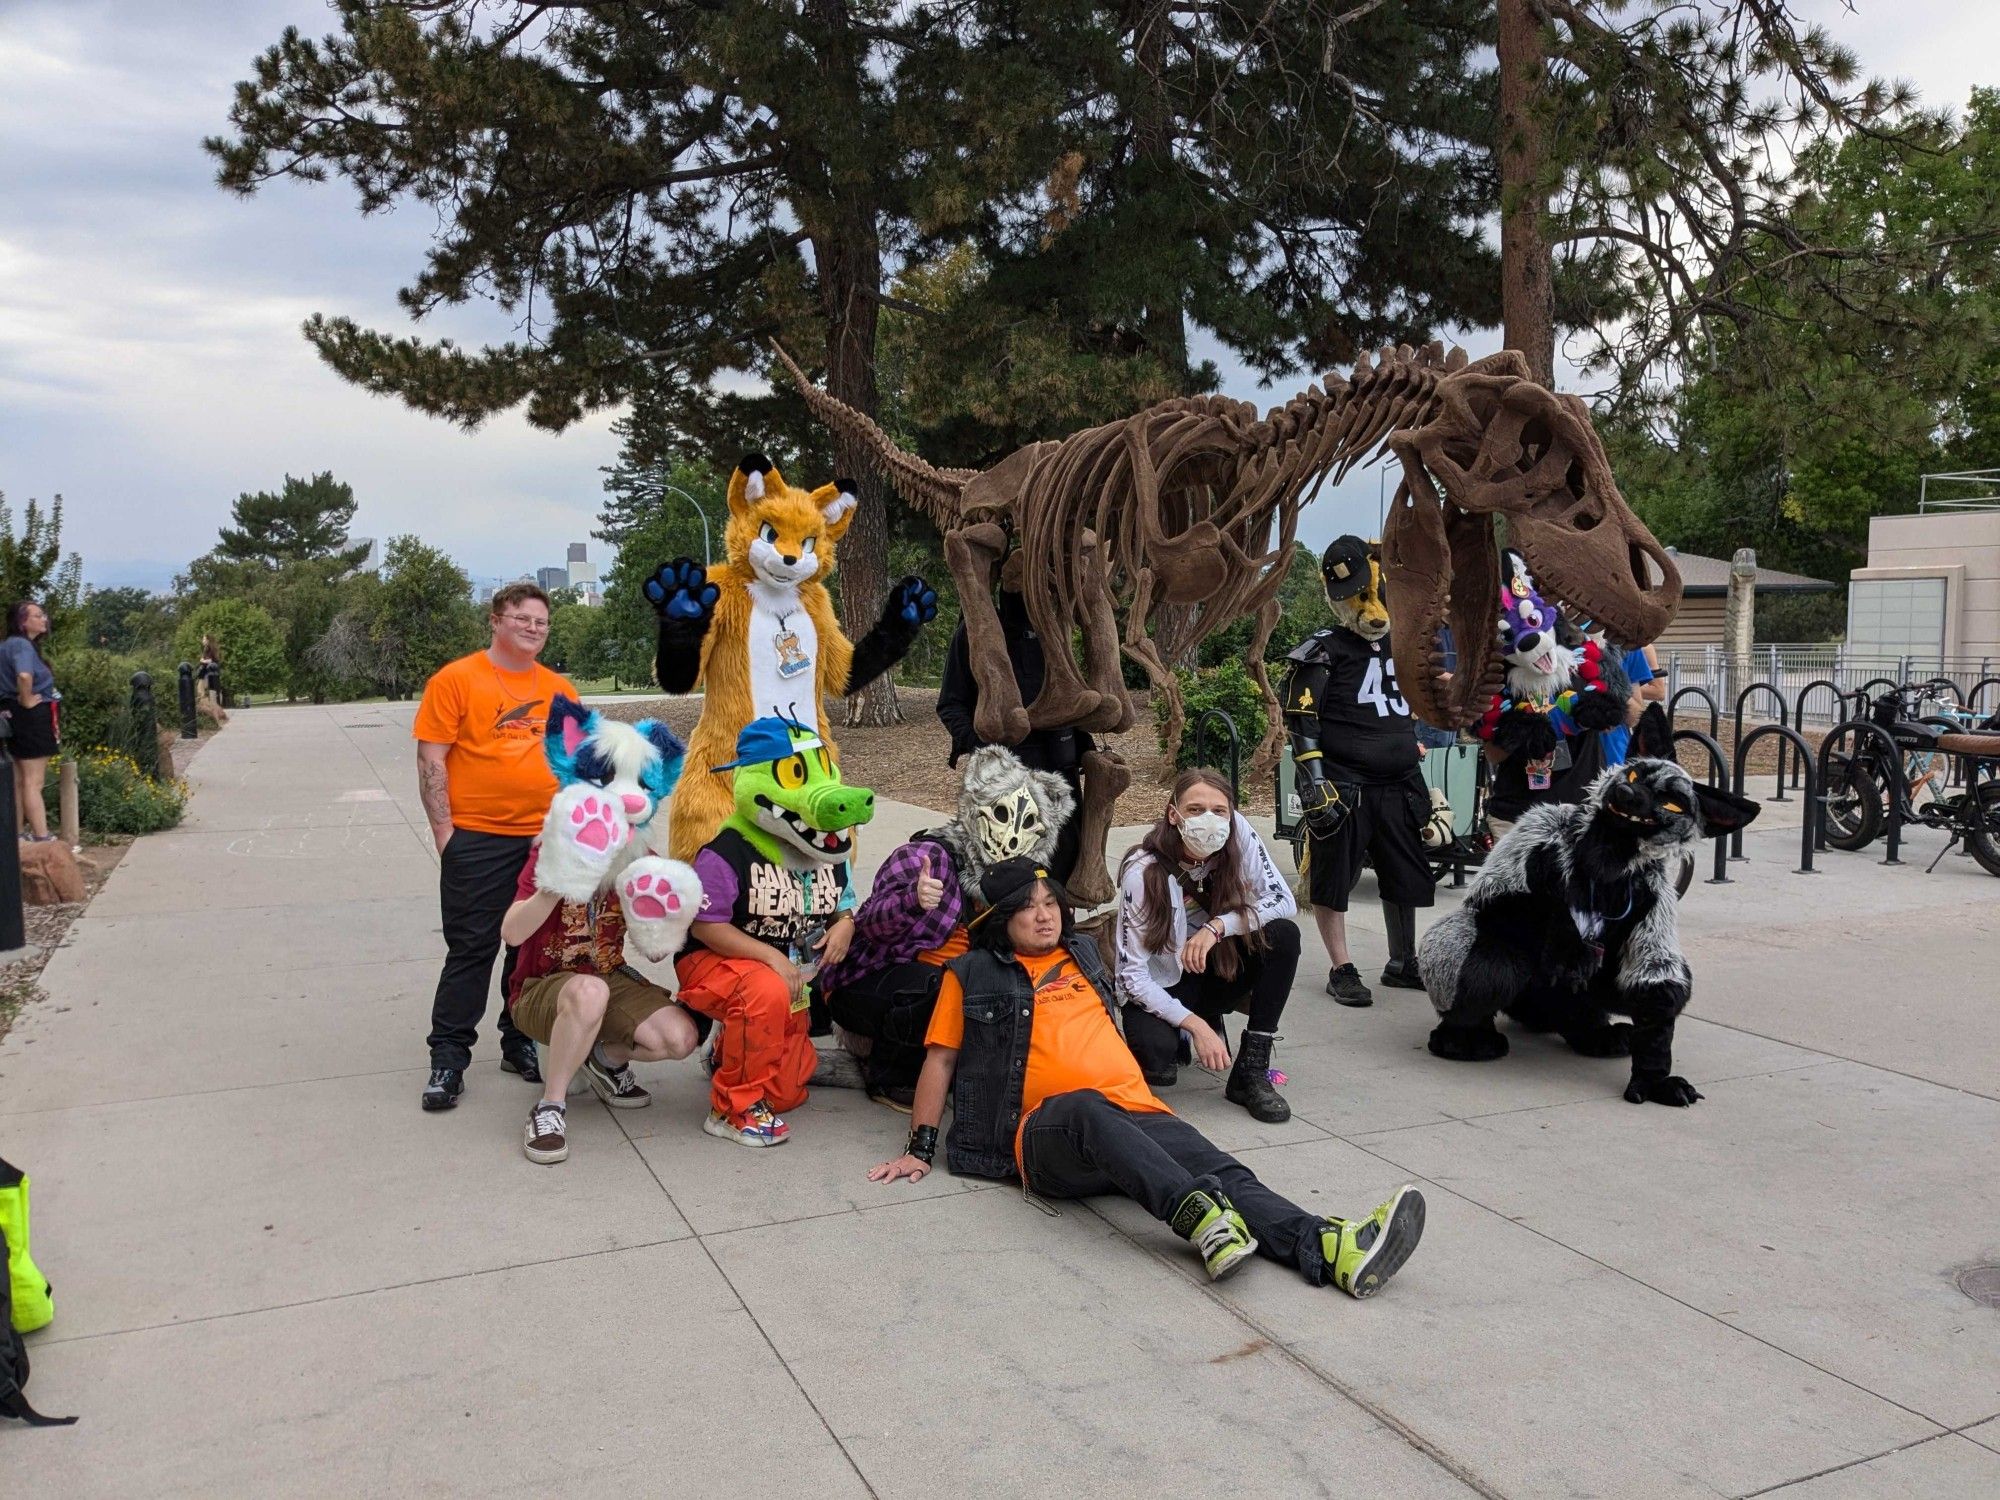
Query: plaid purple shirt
x=890, y=928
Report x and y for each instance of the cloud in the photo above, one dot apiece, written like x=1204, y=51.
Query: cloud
x=151, y=366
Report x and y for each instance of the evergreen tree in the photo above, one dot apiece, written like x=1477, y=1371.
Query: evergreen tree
x=306, y=521
x=32, y=565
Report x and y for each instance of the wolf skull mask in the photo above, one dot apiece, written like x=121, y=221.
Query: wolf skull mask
x=1005, y=811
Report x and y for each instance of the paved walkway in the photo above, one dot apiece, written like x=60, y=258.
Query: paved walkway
x=277, y=1277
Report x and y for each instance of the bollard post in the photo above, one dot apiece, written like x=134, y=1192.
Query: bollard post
x=66, y=801
x=142, y=719
x=189, y=729
x=13, y=924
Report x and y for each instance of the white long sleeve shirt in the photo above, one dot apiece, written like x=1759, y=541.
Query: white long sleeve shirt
x=1144, y=978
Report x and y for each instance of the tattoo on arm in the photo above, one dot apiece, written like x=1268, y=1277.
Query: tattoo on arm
x=434, y=788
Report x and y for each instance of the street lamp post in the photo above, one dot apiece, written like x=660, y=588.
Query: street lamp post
x=707, y=556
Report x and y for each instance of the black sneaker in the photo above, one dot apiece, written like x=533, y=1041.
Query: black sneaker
x=1402, y=974
x=521, y=1059
x=1345, y=985
x=445, y=1086
x=615, y=1086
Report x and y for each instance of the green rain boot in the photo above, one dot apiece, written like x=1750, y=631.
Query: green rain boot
x=1364, y=1253
x=1208, y=1223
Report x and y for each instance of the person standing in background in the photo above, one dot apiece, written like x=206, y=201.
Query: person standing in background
x=29, y=696
x=486, y=785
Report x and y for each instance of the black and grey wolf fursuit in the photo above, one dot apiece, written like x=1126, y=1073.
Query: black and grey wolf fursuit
x=1572, y=921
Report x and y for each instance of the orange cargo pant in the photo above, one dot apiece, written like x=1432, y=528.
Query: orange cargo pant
x=766, y=1052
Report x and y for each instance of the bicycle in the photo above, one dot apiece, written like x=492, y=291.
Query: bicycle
x=1929, y=746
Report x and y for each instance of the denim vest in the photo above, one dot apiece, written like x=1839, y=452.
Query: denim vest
x=993, y=1058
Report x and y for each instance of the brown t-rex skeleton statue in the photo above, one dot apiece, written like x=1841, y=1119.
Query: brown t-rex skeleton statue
x=1181, y=518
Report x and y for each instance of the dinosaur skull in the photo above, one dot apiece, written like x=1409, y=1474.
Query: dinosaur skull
x=1497, y=442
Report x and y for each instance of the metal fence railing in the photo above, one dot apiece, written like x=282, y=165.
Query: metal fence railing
x=1792, y=669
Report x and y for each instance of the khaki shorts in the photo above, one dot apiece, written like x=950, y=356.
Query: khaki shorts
x=632, y=1001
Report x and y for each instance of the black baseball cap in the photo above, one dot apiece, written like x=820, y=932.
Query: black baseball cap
x=1344, y=567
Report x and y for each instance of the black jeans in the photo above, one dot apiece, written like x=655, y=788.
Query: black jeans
x=892, y=1006
x=1080, y=1144
x=476, y=877
x=1261, y=985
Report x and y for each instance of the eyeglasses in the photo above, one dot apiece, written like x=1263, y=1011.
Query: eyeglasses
x=527, y=622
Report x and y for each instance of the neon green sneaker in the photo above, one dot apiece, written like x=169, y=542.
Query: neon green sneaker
x=1217, y=1230
x=1365, y=1253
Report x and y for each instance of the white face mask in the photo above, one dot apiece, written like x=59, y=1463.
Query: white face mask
x=1203, y=834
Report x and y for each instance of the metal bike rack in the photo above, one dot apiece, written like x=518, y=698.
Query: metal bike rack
x=1799, y=710
x=1863, y=692
x=1806, y=829
x=1892, y=759
x=1979, y=691
x=1235, y=746
x=1718, y=777
x=1743, y=698
x=1945, y=682
x=1714, y=712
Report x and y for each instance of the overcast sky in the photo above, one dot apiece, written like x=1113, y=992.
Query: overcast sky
x=151, y=366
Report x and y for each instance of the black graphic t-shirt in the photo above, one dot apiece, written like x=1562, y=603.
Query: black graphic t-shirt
x=1366, y=732
x=770, y=901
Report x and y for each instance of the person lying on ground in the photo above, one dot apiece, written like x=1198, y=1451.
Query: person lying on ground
x=1046, y=1090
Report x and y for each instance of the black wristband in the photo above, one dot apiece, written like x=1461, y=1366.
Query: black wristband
x=923, y=1144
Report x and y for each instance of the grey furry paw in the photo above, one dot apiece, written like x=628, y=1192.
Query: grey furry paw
x=1670, y=1089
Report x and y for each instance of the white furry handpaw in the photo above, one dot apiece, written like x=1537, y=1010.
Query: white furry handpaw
x=660, y=898
x=582, y=837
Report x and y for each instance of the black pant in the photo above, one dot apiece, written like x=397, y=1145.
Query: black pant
x=476, y=877
x=1080, y=1144
x=893, y=1007
x=1261, y=985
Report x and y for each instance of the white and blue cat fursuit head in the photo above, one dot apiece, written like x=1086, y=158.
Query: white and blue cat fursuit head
x=1571, y=921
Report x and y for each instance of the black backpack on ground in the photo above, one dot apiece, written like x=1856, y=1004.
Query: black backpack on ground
x=14, y=1359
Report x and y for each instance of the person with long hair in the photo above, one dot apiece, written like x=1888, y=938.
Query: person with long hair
x=1205, y=927
x=29, y=697
x=1045, y=1091
x=208, y=675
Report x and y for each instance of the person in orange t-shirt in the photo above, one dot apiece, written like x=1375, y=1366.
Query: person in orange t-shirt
x=485, y=783
x=1045, y=1088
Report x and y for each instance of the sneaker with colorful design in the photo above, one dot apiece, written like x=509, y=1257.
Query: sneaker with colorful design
x=759, y=1126
x=1364, y=1253
x=1212, y=1226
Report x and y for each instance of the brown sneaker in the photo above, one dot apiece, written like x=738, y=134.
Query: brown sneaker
x=544, y=1141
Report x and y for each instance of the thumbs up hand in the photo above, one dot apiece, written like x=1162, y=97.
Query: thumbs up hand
x=930, y=890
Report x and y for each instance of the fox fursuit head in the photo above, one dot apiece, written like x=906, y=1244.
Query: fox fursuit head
x=1571, y=921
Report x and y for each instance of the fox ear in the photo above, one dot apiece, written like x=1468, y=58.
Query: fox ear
x=755, y=476
x=837, y=503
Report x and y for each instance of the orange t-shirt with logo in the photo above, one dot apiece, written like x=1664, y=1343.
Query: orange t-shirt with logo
x=493, y=721
x=1073, y=1044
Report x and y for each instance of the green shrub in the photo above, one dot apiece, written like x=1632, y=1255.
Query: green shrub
x=115, y=796
x=97, y=692
x=1228, y=687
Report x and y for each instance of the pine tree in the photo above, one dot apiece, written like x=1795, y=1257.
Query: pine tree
x=306, y=521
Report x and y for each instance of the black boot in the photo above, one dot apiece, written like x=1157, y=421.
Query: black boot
x=1250, y=1080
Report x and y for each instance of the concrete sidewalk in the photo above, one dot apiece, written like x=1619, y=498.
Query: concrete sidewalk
x=276, y=1276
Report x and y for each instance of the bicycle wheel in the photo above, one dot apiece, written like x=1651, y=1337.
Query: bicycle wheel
x=1983, y=837
x=1856, y=804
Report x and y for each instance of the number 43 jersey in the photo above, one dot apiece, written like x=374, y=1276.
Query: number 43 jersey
x=1348, y=686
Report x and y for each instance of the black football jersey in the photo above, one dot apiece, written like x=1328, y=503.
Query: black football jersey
x=1366, y=731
